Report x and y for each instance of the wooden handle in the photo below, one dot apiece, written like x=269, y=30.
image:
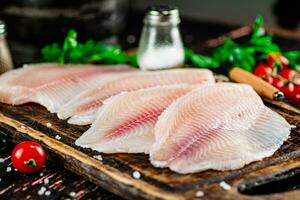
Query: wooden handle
x=260, y=86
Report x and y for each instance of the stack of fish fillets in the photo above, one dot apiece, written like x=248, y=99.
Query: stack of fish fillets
x=180, y=117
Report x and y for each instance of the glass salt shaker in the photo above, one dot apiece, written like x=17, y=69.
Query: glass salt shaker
x=160, y=45
x=6, y=63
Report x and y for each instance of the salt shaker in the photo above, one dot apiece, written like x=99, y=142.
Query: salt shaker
x=6, y=63
x=160, y=45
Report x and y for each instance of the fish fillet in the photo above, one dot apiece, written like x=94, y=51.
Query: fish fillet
x=50, y=85
x=82, y=109
x=125, y=123
x=222, y=126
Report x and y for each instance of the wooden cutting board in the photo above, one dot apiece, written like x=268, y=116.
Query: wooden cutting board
x=115, y=171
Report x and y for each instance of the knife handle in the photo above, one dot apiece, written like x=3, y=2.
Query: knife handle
x=260, y=86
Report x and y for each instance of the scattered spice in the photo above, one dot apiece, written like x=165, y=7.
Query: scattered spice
x=136, y=175
x=57, y=137
x=46, y=181
x=48, y=124
x=98, y=157
x=72, y=194
x=48, y=193
x=42, y=190
x=225, y=185
x=8, y=169
x=199, y=193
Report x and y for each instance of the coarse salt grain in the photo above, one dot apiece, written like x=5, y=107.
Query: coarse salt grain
x=42, y=190
x=47, y=193
x=225, y=185
x=1, y=160
x=293, y=126
x=46, y=181
x=8, y=169
x=199, y=194
x=72, y=194
x=57, y=137
x=0, y=179
x=136, y=175
x=41, y=174
x=48, y=124
x=23, y=127
x=98, y=157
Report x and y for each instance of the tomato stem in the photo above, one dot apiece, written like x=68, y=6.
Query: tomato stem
x=31, y=162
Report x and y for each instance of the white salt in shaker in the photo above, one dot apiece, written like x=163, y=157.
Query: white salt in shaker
x=6, y=63
x=160, y=45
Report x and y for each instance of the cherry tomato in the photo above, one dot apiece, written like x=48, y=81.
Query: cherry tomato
x=278, y=83
x=288, y=90
x=276, y=59
x=296, y=95
x=28, y=157
x=262, y=70
x=288, y=73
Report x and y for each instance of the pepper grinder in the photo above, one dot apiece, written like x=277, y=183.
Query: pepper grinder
x=160, y=44
x=6, y=63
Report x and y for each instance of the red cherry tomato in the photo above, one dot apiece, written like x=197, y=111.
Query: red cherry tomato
x=276, y=59
x=288, y=90
x=278, y=83
x=28, y=157
x=288, y=73
x=296, y=95
x=262, y=70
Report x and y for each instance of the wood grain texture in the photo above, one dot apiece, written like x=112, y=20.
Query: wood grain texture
x=61, y=184
x=114, y=172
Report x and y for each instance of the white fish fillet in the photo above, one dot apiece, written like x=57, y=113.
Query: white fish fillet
x=222, y=126
x=125, y=122
x=83, y=108
x=51, y=85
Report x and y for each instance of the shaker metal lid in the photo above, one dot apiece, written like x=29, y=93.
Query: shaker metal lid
x=162, y=15
x=2, y=27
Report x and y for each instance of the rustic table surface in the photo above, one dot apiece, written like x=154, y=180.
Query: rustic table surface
x=54, y=182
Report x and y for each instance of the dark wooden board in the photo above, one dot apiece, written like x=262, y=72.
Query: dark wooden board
x=114, y=172
x=61, y=184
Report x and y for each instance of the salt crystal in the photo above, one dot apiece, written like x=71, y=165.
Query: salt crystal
x=47, y=193
x=1, y=160
x=23, y=127
x=57, y=137
x=98, y=157
x=48, y=124
x=72, y=194
x=0, y=179
x=225, y=185
x=293, y=126
x=136, y=175
x=42, y=190
x=16, y=169
x=46, y=181
x=8, y=169
x=41, y=174
x=199, y=194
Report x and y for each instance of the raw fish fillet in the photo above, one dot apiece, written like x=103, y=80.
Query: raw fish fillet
x=125, y=123
x=50, y=85
x=83, y=108
x=223, y=126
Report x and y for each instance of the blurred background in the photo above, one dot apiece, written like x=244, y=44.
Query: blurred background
x=32, y=24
